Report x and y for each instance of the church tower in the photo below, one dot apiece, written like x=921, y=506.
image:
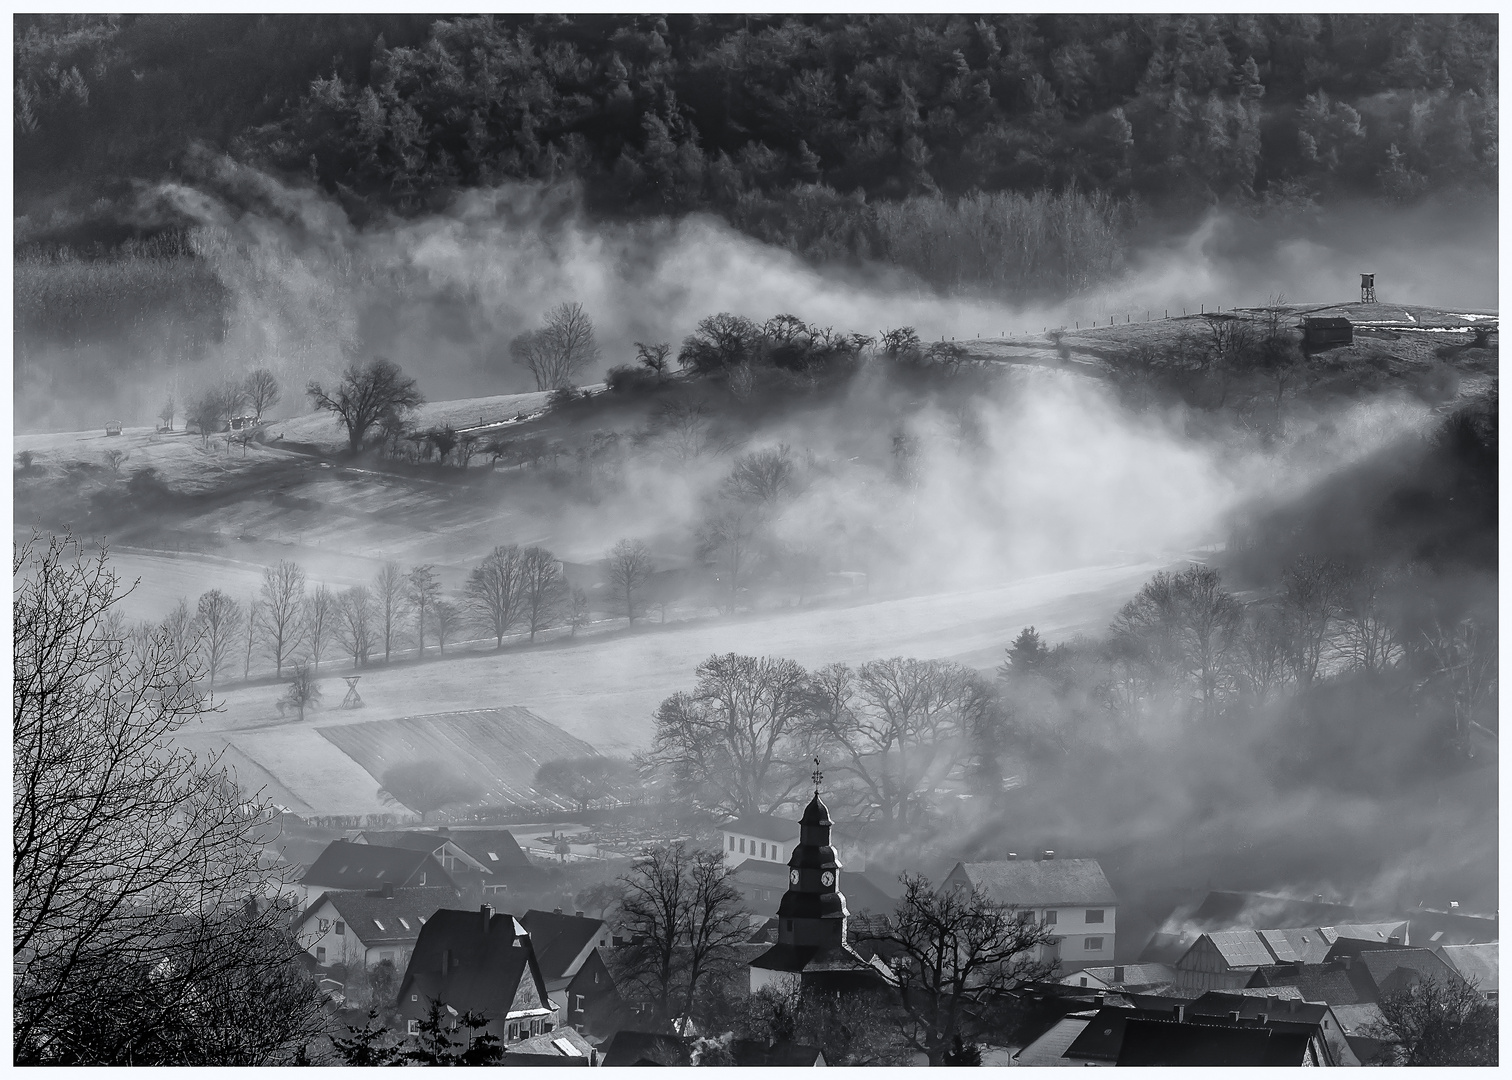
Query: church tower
x=811, y=945
x=813, y=909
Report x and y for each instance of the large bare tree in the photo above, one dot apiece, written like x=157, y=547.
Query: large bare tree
x=732, y=742
x=952, y=952
x=261, y=388
x=217, y=623
x=320, y=616
x=282, y=595
x=366, y=394
x=1312, y=600
x=627, y=568
x=421, y=591
x=496, y=589
x=137, y=937
x=556, y=354
x=684, y=919
x=899, y=727
x=356, y=610
x=389, y=587
x=545, y=589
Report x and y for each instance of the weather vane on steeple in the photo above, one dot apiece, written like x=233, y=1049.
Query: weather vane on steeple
x=817, y=776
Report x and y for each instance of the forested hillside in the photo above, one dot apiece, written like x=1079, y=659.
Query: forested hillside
x=835, y=136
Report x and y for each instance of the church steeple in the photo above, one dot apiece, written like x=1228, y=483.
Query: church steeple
x=813, y=910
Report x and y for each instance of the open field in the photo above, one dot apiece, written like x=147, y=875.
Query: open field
x=605, y=690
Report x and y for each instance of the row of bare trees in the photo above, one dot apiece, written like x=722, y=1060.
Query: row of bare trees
x=210, y=410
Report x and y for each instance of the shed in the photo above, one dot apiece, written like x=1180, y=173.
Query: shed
x=1323, y=331
x=112, y=427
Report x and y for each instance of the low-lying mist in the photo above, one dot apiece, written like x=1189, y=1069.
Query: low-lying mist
x=443, y=294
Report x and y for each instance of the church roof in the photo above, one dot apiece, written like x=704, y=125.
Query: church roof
x=815, y=813
x=812, y=960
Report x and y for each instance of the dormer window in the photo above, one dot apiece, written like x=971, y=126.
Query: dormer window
x=404, y=922
x=379, y=924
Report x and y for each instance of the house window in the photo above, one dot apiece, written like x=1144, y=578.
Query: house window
x=320, y=956
x=579, y=1007
x=763, y=851
x=732, y=843
x=595, y=978
x=1084, y=980
x=388, y=955
x=414, y=997
x=379, y=924
x=325, y=924
x=514, y=1031
x=404, y=923
x=340, y=929
x=1094, y=914
x=1092, y=944
x=742, y=845
x=414, y=1027
x=422, y=877
x=1049, y=919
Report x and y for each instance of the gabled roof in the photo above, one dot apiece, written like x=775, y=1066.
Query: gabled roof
x=1126, y=975
x=1332, y=982
x=1042, y=882
x=563, y=1042
x=1257, y=948
x=1165, y=1042
x=1303, y=946
x=1358, y=1019
x=345, y=865
x=410, y=839
x=1050, y=1048
x=768, y=875
x=561, y=941
x=644, y=1048
x=496, y=849
x=1398, y=969
x=763, y=827
x=1289, y=1006
x=1476, y=964
x=868, y=892
x=378, y=920
x=1378, y=933
x=489, y=957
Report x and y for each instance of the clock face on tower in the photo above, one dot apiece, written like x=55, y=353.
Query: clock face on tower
x=793, y=876
x=827, y=877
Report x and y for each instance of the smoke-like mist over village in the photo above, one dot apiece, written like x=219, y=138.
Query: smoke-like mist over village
x=787, y=540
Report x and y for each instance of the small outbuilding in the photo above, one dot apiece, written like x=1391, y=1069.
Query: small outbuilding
x=1321, y=332
x=112, y=427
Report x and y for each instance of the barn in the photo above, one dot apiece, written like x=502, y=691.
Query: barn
x=1321, y=332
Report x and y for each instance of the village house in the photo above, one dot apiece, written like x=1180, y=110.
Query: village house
x=488, y=858
x=1123, y=977
x=363, y=929
x=1476, y=964
x=570, y=950
x=1225, y=960
x=347, y=867
x=770, y=839
x=480, y=962
x=1071, y=896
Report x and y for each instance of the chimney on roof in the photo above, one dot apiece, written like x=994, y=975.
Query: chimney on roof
x=1345, y=959
x=486, y=910
x=1118, y=974
x=1270, y=1002
x=1012, y=856
x=579, y=914
x=1180, y=1014
x=1048, y=855
x=1453, y=905
x=444, y=831
x=388, y=890
x=1234, y=1015
x=556, y=911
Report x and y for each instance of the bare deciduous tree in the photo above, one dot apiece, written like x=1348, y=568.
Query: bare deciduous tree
x=366, y=395
x=446, y=617
x=627, y=568
x=320, y=615
x=114, y=459
x=262, y=391
x=217, y=624
x=1365, y=634
x=1312, y=600
x=899, y=726
x=953, y=951
x=303, y=692
x=178, y=625
x=496, y=589
x=731, y=743
x=389, y=587
x=684, y=919
x=168, y=412
x=254, y=631
x=729, y=538
x=355, y=625
x=421, y=591
x=558, y=352
x=577, y=611
x=653, y=357
x=133, y=936
x=282, y=595
x=544, y=589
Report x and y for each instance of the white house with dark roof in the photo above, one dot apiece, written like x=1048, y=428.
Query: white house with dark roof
x=364, y=929
x=759, y=836
x=1072, y=896
x=347, y=867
